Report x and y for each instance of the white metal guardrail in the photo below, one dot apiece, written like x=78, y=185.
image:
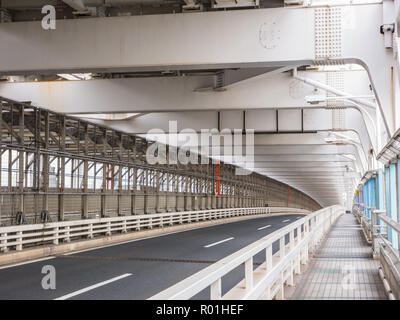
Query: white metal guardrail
x=18, y=237
x=389, y=258
x=266, y=281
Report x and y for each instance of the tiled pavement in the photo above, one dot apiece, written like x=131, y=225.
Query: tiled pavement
x=342, y=268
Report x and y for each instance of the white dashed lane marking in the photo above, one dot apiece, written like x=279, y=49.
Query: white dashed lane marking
x=215, y=243
x=100, y=284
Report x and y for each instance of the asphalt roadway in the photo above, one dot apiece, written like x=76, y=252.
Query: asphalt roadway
x=139, y=269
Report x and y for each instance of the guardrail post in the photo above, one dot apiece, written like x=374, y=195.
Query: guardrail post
x=67, y=234
x=269, y=261
x=215, y=290
x=90, y=235
x=19, y=239
x=124, y=230
x=290, y=281
x=248, y=267
x=282, y=247
x=311, y=226
x=55, y=241
x=108, y=232
x=298, y=234
x=281, y=293
x=291, y=240
x=4, y=247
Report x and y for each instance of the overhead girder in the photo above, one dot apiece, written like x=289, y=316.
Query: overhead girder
x=220, y=42
x=280, y=113
x=172, y=94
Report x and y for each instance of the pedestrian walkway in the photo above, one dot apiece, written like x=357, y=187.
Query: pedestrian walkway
x=342, y=268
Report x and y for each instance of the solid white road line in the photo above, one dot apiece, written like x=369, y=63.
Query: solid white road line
x=73, y=294
x=264, y=227
x=26, y=262
x=287, y=220
x=215, y=243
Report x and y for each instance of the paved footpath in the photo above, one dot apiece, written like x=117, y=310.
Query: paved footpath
x=342, y=268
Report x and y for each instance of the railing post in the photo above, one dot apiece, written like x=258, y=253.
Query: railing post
x=268, y=256
x=282, y=247
x=55, y=241
x=298, y=234
x=290, y=281
x=281, y=293
x=124, y=230
x=291, y=240
x=108, y=232
x=248, y=267
x=4, y=247
x=19, y=239
x=90, y=235
x=67, y=234
x=215, y=290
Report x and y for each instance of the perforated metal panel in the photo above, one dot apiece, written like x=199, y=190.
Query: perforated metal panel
x=336, y=80
x=328, y=33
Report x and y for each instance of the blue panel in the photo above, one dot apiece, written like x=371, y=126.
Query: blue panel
x=380, y=192
x=393, y=201
x=372, y=196
x=387, y=194
x=380, y=189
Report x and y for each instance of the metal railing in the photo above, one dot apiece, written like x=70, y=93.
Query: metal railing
x=376, y=228
x=267, y=280
x=18, y=237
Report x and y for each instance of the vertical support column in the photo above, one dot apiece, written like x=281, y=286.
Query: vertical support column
x=133, y=194
x=157, y=202
x=145, y=190
x=1, y=155
x=45, y=173
x=185, y=196
x=176, y=189
x=21, y=159
x=85, y=174
x=120, y=167
x=62, y=171
x=36, y=161
x=104, y=186
x=167, y=193
x=10, y=163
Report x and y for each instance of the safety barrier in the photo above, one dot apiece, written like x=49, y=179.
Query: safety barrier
x=18, y=237
x=267, y=280
x=376, y=228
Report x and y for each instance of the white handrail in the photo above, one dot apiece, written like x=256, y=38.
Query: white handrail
x=17, y=237
x=268, y=279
